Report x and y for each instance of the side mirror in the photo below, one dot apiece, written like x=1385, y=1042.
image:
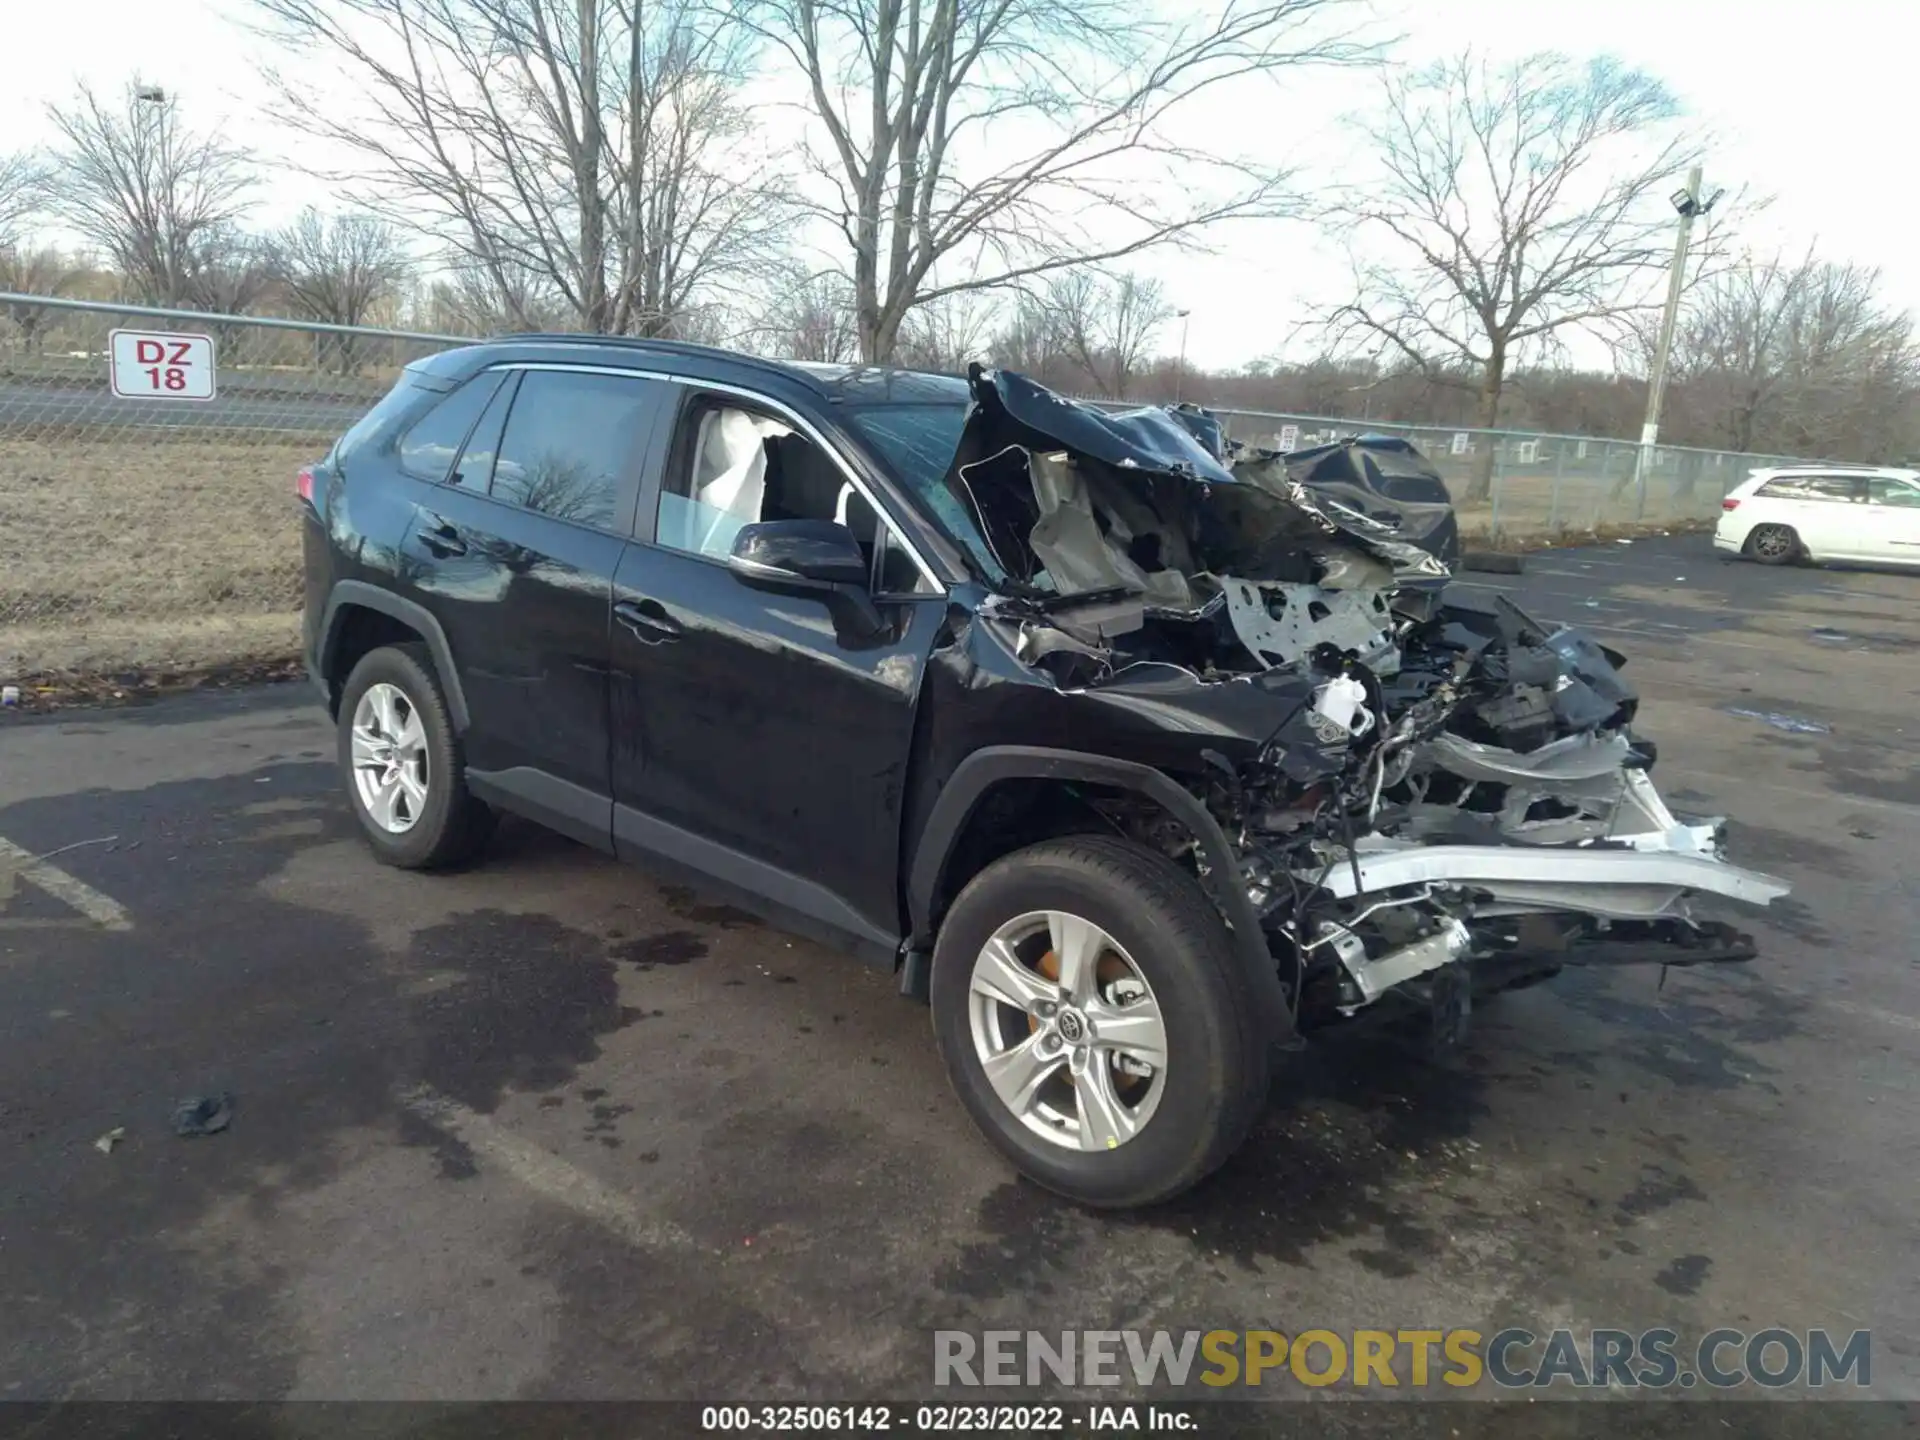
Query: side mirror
x=798, y=555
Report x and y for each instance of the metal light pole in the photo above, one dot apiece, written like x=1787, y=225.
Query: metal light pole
x=1689, y=204
x=1180, y=370
x=1373, y=383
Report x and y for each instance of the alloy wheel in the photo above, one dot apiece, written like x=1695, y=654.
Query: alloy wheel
x=1068, y=1031
x=389, y=758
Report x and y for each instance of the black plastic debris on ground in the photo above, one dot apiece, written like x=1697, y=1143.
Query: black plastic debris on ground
x=203, y=1115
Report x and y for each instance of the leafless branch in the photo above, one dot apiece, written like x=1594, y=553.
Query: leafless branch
x=1108, y=324
x=592, y=150
x=1083, y=99
x=24, y=192
x=161, y=201
x=1794, y=357
x=339, y=271
x=1514, y=205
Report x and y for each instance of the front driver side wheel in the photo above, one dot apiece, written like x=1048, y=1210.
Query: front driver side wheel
x=405, y=775
x=1094, y=1020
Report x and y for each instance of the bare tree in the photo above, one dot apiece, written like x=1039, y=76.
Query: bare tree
x=161, y=201
x=1108, y=324
x=595, y=150
x=337, y=271
x=1515, y=205
x=1031, y=341
x=946, y=333
x=23, y=194
x=478, y=302
x=229, y=271
x=1794, y=358
x=812, y=319
x=1085, y=101
x=39, y=271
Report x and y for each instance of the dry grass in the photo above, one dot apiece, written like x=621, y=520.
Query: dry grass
x=129, y=555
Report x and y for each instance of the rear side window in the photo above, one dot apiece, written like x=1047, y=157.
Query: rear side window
x=572, y=442
x=428, y=448
x=1882, y=491
x=1845, y=488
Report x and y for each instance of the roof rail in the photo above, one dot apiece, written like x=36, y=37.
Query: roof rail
x=670, y=347
x=1832, y=465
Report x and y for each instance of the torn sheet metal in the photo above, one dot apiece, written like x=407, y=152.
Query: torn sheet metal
x=1569, y=760
x=1388, y=480
x=1280, y=624
x=1411, y=561
x=1024, y=412
x=1080, y=557
x=1255, y=522
x=1579, y=788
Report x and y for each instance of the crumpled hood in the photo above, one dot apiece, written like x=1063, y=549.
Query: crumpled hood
x=1246, y=515
x=1382, y=478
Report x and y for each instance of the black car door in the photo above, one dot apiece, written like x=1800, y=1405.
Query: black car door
x=760, y=737
x=515, y=555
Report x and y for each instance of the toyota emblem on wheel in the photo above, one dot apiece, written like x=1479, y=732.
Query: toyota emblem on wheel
x=1072, y=1028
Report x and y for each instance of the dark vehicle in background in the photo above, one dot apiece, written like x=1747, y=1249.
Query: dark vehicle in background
x=1137, y=754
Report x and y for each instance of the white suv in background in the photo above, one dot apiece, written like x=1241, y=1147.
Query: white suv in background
x=1824, y=512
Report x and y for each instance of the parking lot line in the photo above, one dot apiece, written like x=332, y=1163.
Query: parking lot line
x=105, y=912
x=546, y=1173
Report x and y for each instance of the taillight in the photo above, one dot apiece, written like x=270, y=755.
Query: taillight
x=1729, y=504
x=303, y=483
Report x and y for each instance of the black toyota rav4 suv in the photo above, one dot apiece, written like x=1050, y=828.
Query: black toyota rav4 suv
x=1140, y=754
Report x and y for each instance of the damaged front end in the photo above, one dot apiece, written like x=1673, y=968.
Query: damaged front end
x=1422, y=799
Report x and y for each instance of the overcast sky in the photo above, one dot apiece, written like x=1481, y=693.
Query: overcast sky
x=1808, y=102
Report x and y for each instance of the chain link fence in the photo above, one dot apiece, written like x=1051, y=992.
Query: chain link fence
x=159, y=534
x=1528, y=486
x=143, y=534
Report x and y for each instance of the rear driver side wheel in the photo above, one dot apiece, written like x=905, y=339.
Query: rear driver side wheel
x=1773, y=544
x=402, y=763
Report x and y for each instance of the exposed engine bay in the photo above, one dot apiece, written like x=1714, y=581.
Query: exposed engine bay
x=1424, y=797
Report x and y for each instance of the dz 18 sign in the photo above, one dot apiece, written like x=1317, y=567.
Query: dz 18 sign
x=148, y=365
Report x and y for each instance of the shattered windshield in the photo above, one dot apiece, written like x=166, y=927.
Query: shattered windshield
x=918, y=442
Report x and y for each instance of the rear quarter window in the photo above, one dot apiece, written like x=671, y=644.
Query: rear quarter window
x=432, y=443
x=412, y=395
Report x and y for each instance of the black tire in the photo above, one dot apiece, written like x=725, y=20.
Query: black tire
x=452, y=826
x=1774, y=544
x=1215, y=1081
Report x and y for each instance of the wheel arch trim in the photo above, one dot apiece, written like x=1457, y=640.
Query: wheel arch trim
x=358, y=593
x=987, y=767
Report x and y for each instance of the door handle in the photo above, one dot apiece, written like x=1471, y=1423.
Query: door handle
x=442, y=538
x=647, y=620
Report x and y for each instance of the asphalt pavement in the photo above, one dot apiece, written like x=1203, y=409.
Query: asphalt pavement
x=551, y=1129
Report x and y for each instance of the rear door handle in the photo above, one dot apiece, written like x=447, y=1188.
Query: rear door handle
x=441, y=537
x=647, y=620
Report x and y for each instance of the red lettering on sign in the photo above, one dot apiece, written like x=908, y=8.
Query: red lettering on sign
x=181, y=349
x=149, y=352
